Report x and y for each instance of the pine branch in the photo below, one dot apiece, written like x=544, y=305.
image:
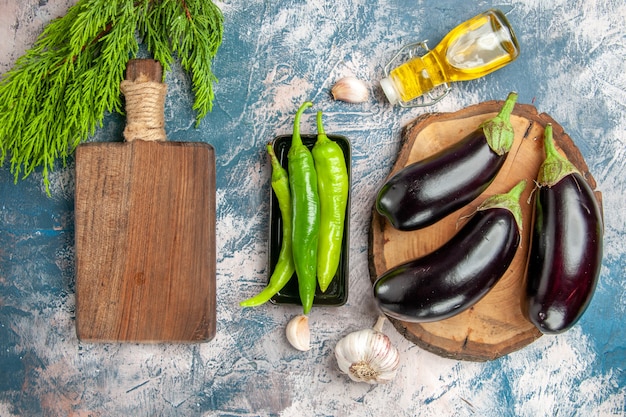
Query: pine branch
x=195, y=41
x=59, y=91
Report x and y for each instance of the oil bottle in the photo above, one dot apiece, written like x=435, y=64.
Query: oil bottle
x=471, y=50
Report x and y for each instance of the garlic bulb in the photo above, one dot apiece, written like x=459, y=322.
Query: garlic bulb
x=298, y=333
x=351, y=90
x=368, y=355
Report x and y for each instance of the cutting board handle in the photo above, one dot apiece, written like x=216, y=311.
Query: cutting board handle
x=145, y=100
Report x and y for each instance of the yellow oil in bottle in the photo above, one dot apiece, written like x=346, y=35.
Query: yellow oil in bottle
x=471, y=50
x=417, y=77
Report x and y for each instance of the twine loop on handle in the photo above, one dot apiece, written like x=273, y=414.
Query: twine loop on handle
x=145, y=101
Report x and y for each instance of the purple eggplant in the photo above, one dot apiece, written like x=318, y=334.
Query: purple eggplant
x=566, y=245
x=456, y=276
x=428, y=190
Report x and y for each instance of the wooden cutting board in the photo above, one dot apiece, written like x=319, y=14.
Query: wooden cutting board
x=145, y=228
x=494, y=326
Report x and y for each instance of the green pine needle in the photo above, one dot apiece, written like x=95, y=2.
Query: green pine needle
x=57, y=93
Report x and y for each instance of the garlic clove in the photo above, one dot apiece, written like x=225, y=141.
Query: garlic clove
x=368, y=356
x=351, y=90
x=298, y=333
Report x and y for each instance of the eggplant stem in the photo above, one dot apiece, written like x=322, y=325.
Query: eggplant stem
x=508, y=201
x=499, y=130
x=555, y=166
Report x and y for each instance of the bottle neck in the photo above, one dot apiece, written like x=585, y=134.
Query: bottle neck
x=414, y=78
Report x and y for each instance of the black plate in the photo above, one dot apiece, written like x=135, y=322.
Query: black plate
x=337, y=292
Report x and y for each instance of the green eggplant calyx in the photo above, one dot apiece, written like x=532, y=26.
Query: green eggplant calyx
x=296, y=140
x=555, y=167
x=499, y=130
x=508, y=201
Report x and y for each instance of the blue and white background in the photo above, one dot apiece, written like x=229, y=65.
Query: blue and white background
x=276, y=55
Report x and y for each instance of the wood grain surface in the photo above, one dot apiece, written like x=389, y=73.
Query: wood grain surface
x=494, y=326
x=145, y=238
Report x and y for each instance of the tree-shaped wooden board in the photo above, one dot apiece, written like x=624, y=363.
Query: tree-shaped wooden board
x=495, y=325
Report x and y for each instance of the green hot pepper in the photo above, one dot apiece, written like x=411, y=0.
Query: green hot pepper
x=333, y=185
x=284, y=266
x=306, y=213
